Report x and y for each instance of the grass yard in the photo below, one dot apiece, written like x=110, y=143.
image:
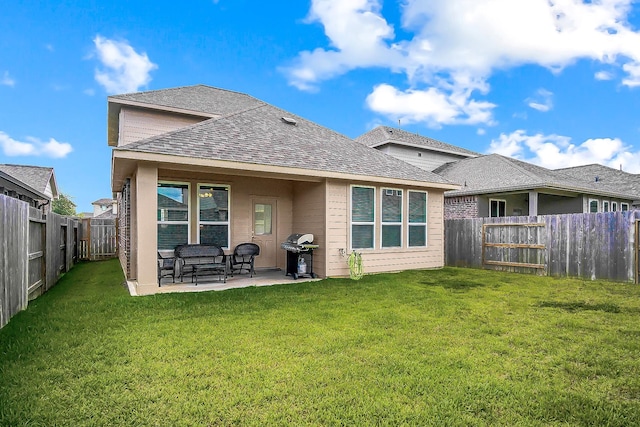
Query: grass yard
x=448, y=347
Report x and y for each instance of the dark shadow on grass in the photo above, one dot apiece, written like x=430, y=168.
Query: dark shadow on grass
x=580, y=306
x=454, y=286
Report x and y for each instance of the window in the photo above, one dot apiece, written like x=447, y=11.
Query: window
x=363, y=201
x=173, y=214
x=417, y=218
x=605, y=206
x=624, y=207
x=614, y=206
x=497, y=207
x=213, y=215
x=593, y=205
x=391, y=218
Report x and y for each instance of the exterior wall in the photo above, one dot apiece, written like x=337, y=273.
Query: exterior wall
x=422, y=158
x=309, y=216
x=145, y=230
x=379, y=260
x=461, y=207
x=137, y=124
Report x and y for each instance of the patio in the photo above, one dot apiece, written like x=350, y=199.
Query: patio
x=262, y=277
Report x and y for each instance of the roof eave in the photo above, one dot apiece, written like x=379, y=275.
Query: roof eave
x=249, y=169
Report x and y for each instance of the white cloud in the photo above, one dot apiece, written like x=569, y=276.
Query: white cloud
x=603, y=75
x=34, y=147
x=452, y=47
x=124, y=70
x=7, y=80
x=542, y=101
x=556, y=151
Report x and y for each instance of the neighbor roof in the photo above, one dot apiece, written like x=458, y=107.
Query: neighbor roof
x=264, y=135
x=382, y=135
x=103, y=202
x=494, y=173
x=623, y=181
x=34, y=177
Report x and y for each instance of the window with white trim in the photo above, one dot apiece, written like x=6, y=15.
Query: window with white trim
x=605, y=206
x=173, y=214
x=614, y=206
x=624, y=207
x=417, y=232
x=497, y=208
x=363, y=217
x=213, y=215
x=593, y=205
x=391, y=229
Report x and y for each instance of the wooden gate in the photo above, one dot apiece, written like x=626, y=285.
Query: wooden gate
x=514, y=246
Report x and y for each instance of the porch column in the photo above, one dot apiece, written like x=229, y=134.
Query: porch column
x=146, y=221
x=533, y=203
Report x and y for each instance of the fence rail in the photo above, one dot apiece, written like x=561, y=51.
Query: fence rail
x=36, y=249
x=591, y=246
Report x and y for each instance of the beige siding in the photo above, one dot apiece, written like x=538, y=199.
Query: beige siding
x=422, y=158
x=337, y=228
x=137, y=124
x=382, y=260
x=309, y=216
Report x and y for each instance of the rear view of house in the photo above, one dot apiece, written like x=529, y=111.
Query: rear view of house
x=205, y=165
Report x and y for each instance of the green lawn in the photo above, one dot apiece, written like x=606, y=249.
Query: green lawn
x=447, y=347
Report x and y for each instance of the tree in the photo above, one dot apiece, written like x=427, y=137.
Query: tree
x=63, y=205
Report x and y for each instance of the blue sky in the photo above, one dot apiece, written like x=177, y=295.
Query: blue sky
x=557, y=85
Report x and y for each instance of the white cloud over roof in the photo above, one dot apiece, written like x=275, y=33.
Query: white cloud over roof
x=557, y=151
x=452, y=48
x=123, y=69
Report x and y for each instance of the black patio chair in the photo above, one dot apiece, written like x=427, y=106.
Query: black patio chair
x=166, y=268
x=243, y=258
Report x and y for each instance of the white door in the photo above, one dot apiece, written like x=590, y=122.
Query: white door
x=264, y=231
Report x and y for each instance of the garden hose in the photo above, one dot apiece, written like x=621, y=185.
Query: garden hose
x=356, y=269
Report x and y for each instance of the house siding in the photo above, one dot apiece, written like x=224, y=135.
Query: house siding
x=309, y=216
x=137, y=124
x=420, y=157
x=381, y=260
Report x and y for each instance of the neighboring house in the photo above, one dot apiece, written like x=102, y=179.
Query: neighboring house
x=625, y=182
x=105, y=209
x=494, y=185
x=204, y=165
x=420, y=151
x=35, y=185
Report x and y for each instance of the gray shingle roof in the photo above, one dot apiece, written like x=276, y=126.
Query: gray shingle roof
x=624, y=181
x=198, y=98
x=103, y=202
x=259, y=136
x=36, y=177
x=495, y=173
x=385, y=135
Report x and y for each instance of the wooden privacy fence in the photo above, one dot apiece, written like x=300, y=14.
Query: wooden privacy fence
x=99, y=239
x=36, y=249
x=591, y=246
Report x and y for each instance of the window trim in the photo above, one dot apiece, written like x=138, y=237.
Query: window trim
x=597, y=205
x=614, y=206
x=188, y=221
x=607, y=204
x=505, y=207
x=623, y=205
x=352, y=223
x=227, y=222
x=383, y=191
x=426, y=217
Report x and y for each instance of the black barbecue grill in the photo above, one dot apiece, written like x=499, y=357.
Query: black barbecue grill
x=299, y=249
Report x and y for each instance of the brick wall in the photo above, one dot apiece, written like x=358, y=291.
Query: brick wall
x=461, y=207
